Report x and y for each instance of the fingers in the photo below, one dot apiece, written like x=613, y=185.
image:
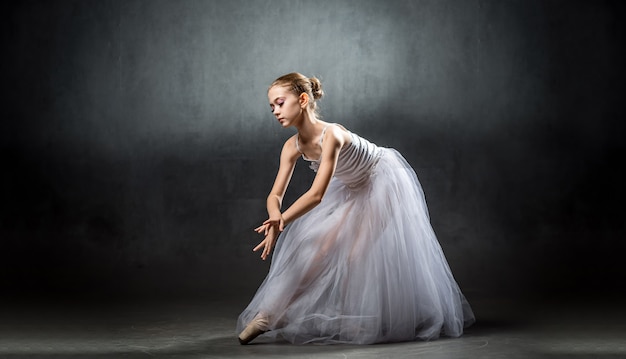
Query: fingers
x=262, y=228
x=259, y=246
x=267, y=250
x=264, y=245
x=270, y=237
x=267, y=245
x=269, y=222
x=264, y=253
x=265, y=227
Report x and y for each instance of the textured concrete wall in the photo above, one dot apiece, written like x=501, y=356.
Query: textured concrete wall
x=138, y=146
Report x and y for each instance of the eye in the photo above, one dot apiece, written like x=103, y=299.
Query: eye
x=278, y=102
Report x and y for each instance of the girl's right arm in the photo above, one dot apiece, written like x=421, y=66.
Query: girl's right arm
x=275, y=224
x=288, y=157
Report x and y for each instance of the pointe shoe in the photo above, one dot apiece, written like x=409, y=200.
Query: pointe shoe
x=255, y=328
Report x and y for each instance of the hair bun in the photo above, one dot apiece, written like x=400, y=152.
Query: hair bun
x=316, y=88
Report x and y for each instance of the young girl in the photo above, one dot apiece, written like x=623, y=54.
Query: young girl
x=357, y=260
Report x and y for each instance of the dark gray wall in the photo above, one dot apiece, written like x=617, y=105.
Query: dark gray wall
x=138, y=147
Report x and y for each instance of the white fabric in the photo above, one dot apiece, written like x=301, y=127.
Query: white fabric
x=364, y=266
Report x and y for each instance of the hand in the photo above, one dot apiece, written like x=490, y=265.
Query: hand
x=273, y=221
x=268, y=243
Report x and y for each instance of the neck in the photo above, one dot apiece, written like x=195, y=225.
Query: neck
x=308, y=128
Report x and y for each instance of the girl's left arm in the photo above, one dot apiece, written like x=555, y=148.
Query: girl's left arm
x=331, y=146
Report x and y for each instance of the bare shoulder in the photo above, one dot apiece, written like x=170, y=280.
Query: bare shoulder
x=289, y=148
x=337, y=134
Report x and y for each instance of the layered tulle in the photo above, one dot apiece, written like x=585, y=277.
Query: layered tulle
x=362, y=267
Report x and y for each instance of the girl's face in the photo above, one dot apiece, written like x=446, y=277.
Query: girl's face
x=286, y=106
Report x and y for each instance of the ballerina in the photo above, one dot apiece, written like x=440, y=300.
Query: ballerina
x=356, y=259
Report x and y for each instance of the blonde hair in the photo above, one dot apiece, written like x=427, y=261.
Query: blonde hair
x=299, y=84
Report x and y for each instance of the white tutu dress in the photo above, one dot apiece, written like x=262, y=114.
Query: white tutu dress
x=364, y=266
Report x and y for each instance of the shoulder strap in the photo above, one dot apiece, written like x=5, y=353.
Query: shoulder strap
x=323, y=132
x=298, y=144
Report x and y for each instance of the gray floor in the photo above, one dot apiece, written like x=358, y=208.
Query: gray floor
x=205, y=329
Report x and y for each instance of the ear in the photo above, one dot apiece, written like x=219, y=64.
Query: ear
x=303, y=99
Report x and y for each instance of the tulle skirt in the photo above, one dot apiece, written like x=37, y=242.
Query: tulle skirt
x=362, y=267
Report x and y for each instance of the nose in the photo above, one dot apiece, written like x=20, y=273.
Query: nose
x=276, y=111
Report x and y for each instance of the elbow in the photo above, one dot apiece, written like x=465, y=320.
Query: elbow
x=316, y=198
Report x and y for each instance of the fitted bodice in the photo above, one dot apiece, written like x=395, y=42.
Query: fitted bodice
x=355, y=162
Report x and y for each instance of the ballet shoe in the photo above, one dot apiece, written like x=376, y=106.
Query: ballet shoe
x=255, y=328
